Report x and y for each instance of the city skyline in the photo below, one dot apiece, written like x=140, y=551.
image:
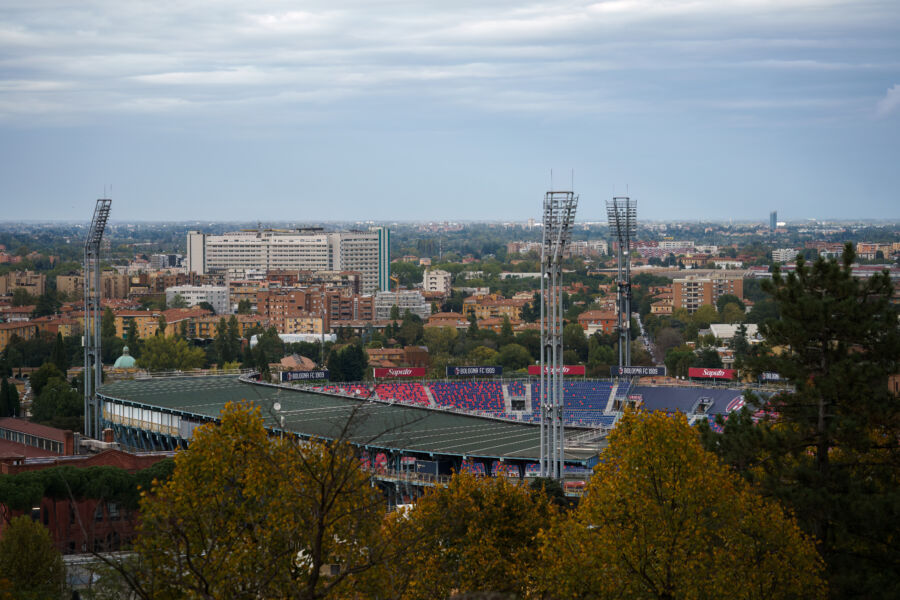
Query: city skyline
x=388, y=112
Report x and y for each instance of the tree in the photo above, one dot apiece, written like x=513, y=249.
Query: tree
x=662, y=518
x=47, y=304
x=107, y=324
x=9, y=399
x=221, y=346
x=30, y=566
x=44, y=374
x=482, y=355
x=246, y=515
x=395, y=313
x=60, y=356
x=732, y=313
x=244, y=307
x=58, y=405
x=726, y=299
x=575, y=340
x=705, y=315
x=178, y=301
x=161, y=325
x=707, y=357
x=21, y=297
x=831, y=446
x=475, y=535
x=440, y=339
x=167, y=353
x=514, y=357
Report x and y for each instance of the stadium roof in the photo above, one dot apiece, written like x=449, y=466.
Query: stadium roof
x=372, y=424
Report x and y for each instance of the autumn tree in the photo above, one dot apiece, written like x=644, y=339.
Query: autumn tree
x=250, y=516
x=662, y=518
x=30, y=567
x=830, y=447
x=475, y=535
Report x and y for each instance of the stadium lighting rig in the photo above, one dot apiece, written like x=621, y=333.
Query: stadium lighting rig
x=559, y=215
x=93, y=360
x=622, y=214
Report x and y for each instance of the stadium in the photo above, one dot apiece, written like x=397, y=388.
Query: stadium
x=409, y=434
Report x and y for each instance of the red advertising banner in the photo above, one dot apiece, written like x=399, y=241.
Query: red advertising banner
x=707, y=373
x=399, y=372
x=567, y=369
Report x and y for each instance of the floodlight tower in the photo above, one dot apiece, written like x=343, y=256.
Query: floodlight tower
x=622, y=214
x=559, y=215
x=93, y=360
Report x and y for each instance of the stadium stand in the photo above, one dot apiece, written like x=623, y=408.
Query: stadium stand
x=470, y=395
x=686, y=399
x=499, y=468
x=533, y=470
x=347, y=389
x=475, y=468
x=405, y=392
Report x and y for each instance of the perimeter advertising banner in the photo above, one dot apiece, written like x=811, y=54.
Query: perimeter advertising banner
x=567, y=369
x=474, y=371
x=707, y=373
x=391, y=372
x=769, y=376
x=637, y=371
x=303, y=375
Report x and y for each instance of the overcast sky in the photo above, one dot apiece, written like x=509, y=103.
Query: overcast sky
x=326, y=110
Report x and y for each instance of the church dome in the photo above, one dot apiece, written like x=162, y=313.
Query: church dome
x=126, y=361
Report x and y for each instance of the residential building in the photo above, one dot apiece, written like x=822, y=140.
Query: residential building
x=436, y=281
x=112, y=285
x=411, y=300
x=33, y=283
x=159, y=262
x=24, y=330
x=313, y=249
x=593, y=321
x=784, y=255
x=216, y=296
x=693, y=291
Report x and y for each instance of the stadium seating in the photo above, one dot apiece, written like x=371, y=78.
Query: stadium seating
x=346, y=389
x=498, y=468
x=405, y=392
x=476, y=468
x=470, y=395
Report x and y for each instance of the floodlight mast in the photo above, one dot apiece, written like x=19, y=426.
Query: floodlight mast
x=622, y=214
x=93, y=359
x=559, y=215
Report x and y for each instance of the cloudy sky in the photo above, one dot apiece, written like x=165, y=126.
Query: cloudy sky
x=329, y=110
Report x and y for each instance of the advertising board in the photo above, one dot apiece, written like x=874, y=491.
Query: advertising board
x=391, y=372
x=709, y=373
x=303, y=375
x=474, y=371
x=637, y=371
x=567, y=369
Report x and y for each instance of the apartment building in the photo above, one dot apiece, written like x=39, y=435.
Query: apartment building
x=693, y=291
x=216, y=296
x=411, y=300
x=112, y=285
x=241, y=252
x=436, y=281
x=784, y=255
x=33, y=283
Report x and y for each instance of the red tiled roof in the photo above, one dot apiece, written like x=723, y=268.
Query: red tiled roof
x=36, y=429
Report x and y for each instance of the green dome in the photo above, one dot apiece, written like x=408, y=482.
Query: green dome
x=126, y=361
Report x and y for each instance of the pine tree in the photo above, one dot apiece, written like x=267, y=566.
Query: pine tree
x=831, y=448
x=59, y=356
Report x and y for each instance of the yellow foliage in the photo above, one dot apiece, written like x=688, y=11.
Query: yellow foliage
x=249, y=516
x=662, y=518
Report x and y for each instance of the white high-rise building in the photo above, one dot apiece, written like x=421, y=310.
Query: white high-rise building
x=784, y=255
x=240, y=252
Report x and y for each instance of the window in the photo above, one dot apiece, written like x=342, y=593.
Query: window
x=98, y=513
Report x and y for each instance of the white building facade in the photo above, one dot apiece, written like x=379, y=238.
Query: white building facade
x=216, y=295
x=411, y=300
x=242, y=252
x=436, y=281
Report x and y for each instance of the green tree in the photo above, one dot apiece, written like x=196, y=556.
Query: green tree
x=248, y=516
x=482, y=355
x=9, y=399
x=705, y=315
x=47, y=304
x=221, y=346
x=395, y=313
x=60, y=356
x=30, y=567
x=726, y=299
x=732, y=313
x=440, y=339
x=107, y=324
x=514, y=357
x=832, y=445
x=178, y=301
x=707, y=357
x=575, y=340
x=244, y=307
x=43, y=375
x=660, y=510
x=58, y=405
x=21, y=297
x=167, y=353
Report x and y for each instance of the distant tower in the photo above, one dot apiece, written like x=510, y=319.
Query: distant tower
x=773, y=220
x=93, y=364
